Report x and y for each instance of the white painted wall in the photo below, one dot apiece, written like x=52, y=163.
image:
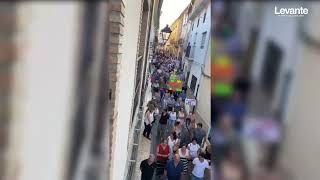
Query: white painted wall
x=126, y=88
x=44, y=78
x=204, y=104
x=283, y=31
x=199, y=54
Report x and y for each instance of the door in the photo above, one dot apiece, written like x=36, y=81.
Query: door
x=193, y=83
x=271, y=67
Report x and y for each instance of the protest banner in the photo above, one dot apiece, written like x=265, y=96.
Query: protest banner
x=191, y=102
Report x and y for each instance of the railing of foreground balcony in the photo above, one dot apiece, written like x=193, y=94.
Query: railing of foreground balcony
x=137, y=87
x=135, y=146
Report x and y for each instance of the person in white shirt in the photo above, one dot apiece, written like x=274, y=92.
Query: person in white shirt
x=148, y=118
x=200, y=165
x=194, y=148
x=173, y=141
x=156, y=113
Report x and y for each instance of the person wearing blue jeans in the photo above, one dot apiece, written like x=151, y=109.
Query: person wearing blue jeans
x=172, y=118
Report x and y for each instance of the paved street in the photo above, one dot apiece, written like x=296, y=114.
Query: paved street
x=164, y=70
x=144, y=145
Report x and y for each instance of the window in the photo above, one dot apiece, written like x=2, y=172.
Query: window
x=193, y=83
x=197, y=90
x=198, y=22
x=204, y=17
x=203, y=39
x=188, y=74
x=188, y=50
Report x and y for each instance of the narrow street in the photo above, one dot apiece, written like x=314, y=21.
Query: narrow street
x=167, y=92
x=176, y=113
x=144, y=144
x=121, y=90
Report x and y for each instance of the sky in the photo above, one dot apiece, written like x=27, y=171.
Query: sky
x=171, y=9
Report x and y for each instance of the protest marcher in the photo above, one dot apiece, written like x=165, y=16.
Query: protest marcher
x=199, y=134
x=148, y=119
x=200, y=165
x=147, y=168
x=194, y=148
x=174, y=168
x=163, y=123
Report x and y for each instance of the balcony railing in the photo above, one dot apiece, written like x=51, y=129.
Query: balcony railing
x=137, y=86
x=135, y=146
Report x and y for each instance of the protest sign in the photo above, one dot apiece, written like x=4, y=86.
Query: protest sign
x=191, y=102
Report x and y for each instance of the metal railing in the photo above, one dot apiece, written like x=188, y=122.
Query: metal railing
x=135, y=147
x=137, y=86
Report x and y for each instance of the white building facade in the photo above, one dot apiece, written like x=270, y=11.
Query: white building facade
x=199, y=40
x=197, y=58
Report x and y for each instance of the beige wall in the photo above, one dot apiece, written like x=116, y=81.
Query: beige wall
x=301, y=145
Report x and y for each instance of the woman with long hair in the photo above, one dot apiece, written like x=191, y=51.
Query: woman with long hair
x=148, y=119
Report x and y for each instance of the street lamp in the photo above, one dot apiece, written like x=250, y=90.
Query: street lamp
x=165, y=34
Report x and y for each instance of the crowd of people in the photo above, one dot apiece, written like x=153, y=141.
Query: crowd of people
x=184, y=151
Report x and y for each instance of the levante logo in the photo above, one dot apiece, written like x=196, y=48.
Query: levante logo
x=300, y=11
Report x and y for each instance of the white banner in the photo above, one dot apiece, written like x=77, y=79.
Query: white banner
x=191, y=102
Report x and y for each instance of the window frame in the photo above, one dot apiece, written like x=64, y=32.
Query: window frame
x=203, y=39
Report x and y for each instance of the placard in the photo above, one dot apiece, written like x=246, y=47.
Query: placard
x=191, y=102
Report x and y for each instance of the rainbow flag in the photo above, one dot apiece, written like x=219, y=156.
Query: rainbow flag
x=175, y=85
